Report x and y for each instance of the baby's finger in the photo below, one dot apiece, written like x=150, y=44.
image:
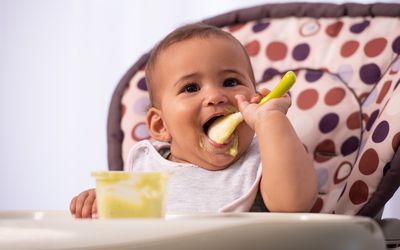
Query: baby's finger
x=72, y=206
x=242, y=103
x=87, y=206
x=264, y=91
x=288, y=98
x=80, y=201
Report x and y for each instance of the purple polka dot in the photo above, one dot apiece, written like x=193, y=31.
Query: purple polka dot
x=370, y=73
x=350, y=145
x=380, y=132
x=141, y=106
x=396, y=45
x=301, y=52
x=359, y=27
x=328, y=122
x=372, y=119
x=313, y=75
x=142, y=84
x=260, y=26
x=269, y=74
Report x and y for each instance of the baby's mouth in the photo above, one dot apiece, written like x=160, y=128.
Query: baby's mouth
x=210, y=144
x=207, y=125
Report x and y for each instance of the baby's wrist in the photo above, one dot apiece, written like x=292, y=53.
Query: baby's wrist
x=269, y=118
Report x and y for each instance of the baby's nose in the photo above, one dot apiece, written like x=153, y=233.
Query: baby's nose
x=215, y=97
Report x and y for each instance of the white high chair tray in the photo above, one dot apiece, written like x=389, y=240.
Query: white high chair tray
x=58, y=230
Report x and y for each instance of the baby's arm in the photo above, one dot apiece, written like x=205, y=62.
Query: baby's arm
x=289, y=182
x=84, y=204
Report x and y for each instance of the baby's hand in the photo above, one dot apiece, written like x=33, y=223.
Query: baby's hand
x=84, y=204
x=253, y=112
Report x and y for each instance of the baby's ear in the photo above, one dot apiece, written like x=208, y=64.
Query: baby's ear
x=156, y=126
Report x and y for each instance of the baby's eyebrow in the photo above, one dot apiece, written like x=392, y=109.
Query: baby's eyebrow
x=233, y=71
x=188, y=76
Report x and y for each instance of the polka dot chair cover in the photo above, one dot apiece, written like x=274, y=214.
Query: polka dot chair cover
x=346, y=102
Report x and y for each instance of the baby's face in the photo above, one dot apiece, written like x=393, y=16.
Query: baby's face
x=197, y=80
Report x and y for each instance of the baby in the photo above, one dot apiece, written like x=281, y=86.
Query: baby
x=195, y=75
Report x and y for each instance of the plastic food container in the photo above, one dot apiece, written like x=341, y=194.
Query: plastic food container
x=130, y=194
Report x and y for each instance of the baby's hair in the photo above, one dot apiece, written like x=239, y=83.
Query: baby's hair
x=195, y=30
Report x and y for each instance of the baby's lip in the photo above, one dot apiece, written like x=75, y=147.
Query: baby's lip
x=220, y=145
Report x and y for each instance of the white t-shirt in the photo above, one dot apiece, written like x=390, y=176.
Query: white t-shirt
x=194, y=189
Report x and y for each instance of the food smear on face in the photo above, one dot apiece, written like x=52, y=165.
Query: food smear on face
x=126, y=194
x=218, y=148
x=233, y=150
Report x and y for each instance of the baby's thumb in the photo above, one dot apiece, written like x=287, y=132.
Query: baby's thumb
x=242, y=102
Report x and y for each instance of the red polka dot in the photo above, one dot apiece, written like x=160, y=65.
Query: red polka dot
x=334, y=96
x=384, y=91
x=324, y=151
x=276, y=51
x=319, y=203
x=369, y=162
x=334, y=29
x=354, y=120
x=375, y=47
x=396, y=142
x=358, y=192
x=342, y=172
x=252, y=48
x=307, y=99
x=349, y=48
x=235, y=27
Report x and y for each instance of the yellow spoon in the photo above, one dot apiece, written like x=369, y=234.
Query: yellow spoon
x=223, y=127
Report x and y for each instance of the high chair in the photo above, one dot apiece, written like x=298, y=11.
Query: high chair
x=345, y=104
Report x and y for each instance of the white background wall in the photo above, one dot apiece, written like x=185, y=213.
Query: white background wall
x=59, y=63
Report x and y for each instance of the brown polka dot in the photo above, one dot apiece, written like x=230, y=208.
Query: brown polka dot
x=396, y=141
x=358, y=192
x=324, y=151
x=319, y=203
x=342, y=172
x=365, y=118
x=363, y=96
x=252, y=48
x=334, y=96
x=334, y=29
x=276, y=51
x=354, y=120
x=375, y=46
x=349, y=48
x=369, y=162
x=384, y=91
x=307, y=99
x=235, y=27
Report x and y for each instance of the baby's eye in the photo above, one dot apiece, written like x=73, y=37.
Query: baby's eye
x=230, y=82
x=191, y=87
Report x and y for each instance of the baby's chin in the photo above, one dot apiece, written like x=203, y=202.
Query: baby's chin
x=214, y=156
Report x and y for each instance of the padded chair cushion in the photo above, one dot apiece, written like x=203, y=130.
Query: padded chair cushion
x=345, y=104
